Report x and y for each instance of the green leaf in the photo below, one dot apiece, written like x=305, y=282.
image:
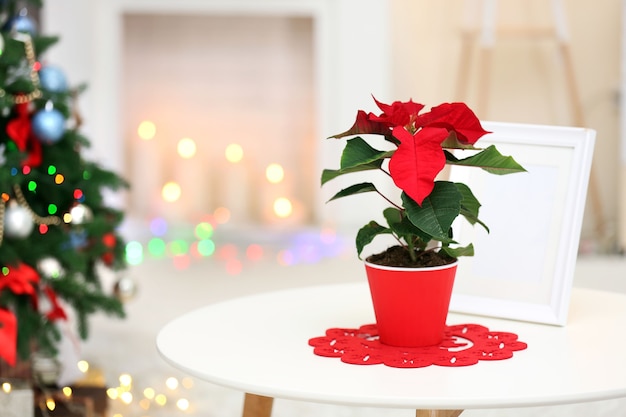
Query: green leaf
x=402, y=226
x=42, y=43
x=364, y=187
x=367, y=233
x=329, y=174
x=462, y=251
x=357, y=156
x=469, y=205
x=358, y=152
x=489, y=159
x=437, y=212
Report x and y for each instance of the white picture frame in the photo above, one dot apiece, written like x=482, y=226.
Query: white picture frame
x=523, y=269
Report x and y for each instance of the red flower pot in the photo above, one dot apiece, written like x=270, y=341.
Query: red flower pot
x=411, y=304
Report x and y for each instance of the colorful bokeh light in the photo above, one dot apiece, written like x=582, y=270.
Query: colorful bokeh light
x=254, y=252
x=146, y=130
x=206, y=247
x=282, y=207
x=186, y=148
x=221, y=215
x=158, y=226
x=274, y=173
x=134, y=253
x=204, y=230
x=171, y=192
x=234, y=153
x=157, y=247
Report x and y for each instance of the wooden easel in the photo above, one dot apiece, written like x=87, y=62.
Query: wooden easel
x=487, y=34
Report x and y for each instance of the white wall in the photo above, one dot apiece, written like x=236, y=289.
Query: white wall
x=527, y=82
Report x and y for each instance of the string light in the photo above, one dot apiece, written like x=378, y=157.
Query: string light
x=171, y=383
x=126, y=397
x=125, y=380
x=160, y=399
x=182, y=404
x=149, y=393
x=50, y=404
x=6, y=387
x=83, y=366
x=112, y=393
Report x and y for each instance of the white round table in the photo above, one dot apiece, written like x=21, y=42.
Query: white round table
x=259, y=344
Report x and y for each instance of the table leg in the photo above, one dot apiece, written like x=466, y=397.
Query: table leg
x=257, y=406
x=438, y=413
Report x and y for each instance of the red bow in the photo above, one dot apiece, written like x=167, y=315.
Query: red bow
x=56, y=312
x=19, y=129
x=8, y=336
x=21, y=279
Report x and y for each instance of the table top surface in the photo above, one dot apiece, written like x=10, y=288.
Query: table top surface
x=259, y=344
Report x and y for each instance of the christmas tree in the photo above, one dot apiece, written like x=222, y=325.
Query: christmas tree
x=56, y=230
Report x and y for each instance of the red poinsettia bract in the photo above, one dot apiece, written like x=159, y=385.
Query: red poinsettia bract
x=420, y=156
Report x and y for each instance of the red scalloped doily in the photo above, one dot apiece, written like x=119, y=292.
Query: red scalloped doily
x=462, y=345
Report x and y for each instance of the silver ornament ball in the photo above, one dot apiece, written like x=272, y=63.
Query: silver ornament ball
x=125, y=289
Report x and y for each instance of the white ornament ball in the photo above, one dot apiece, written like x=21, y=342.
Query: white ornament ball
x=50, y=268
x=18, y=222
x=81, y=214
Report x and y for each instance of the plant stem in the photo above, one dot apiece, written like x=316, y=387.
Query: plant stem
x=389, y=201
x=411, y=250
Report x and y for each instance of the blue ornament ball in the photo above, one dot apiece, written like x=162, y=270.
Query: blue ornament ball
x=48, y=125
x=21, y=23
x=52, y=79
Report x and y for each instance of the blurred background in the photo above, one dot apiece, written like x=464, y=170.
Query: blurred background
x=217, y=111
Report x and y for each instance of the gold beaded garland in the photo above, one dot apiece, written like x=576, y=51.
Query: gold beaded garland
x=34, y=75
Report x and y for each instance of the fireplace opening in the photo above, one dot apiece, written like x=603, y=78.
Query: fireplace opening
x=218, y=115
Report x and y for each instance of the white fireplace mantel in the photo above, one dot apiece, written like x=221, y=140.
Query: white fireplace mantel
x=351, y=46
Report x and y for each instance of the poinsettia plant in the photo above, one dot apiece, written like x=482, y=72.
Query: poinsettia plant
x=423, y=142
